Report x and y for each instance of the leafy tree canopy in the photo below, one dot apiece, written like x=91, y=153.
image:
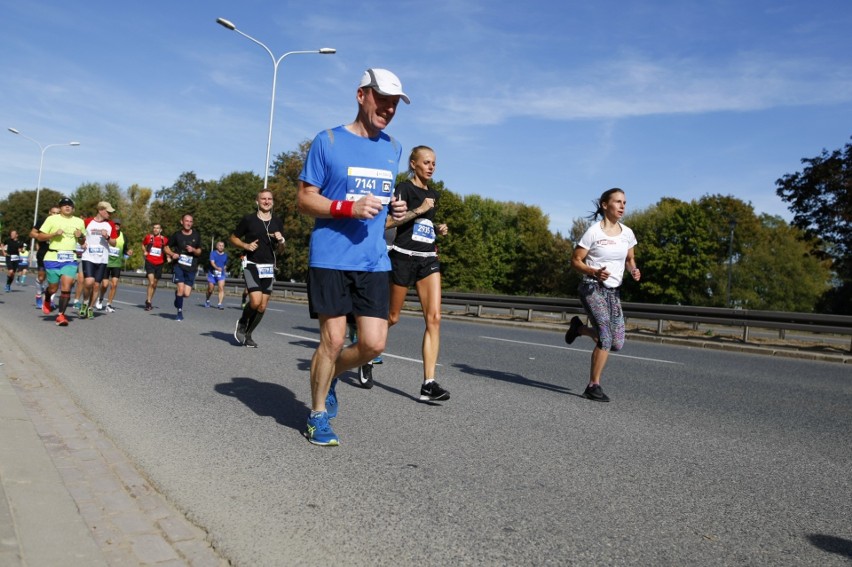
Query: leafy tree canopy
x=820, y=198
x=685, y=249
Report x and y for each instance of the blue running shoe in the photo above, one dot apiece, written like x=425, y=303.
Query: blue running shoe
x=38, y=302
x=378, y=360
x=331, y=400
x=319, y=431
x=179, y=316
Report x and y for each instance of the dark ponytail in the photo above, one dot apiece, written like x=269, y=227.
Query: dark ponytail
x=598, y=204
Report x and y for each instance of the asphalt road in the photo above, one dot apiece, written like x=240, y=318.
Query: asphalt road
x=702, y=458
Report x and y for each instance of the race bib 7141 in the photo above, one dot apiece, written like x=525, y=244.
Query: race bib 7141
x=362, y=181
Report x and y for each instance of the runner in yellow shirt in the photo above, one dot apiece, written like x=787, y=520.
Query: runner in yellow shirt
x=62, y=233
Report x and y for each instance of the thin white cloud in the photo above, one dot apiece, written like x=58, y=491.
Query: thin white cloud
x=637, y=87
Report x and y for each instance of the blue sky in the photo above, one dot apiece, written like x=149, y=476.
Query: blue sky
x=548, y=103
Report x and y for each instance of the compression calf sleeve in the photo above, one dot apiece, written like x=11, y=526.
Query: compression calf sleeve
x=254, y=322
x=64, y=298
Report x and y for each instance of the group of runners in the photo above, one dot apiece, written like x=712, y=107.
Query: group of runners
x=17, y=261
x=347, y=185
x=71, y=250
x=372, y=240
x=88, y=253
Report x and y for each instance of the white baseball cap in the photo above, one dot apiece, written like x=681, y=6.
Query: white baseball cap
x=384, y=82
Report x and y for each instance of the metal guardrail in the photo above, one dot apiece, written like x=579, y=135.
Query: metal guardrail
x=475, y=303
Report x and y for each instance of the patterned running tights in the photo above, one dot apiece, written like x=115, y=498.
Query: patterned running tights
x=603, y=306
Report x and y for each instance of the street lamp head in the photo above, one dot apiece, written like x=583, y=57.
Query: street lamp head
x=328, y=51
x=13, y=131
x=225, y=23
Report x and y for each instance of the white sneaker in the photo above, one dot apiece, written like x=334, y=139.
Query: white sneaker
x=109, y=308
x=98, y=305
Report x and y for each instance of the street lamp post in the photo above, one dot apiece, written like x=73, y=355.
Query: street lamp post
x=40, y=168
x=275, y=62
x=733, y=225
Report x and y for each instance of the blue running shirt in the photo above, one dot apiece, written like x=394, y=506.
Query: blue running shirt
x=347, y=167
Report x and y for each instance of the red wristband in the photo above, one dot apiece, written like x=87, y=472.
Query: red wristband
x=341, y=209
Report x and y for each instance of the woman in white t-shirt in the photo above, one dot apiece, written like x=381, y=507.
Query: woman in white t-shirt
x=602, y=255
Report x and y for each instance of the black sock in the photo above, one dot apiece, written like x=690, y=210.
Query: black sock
x=254, y=322
x=248, y=314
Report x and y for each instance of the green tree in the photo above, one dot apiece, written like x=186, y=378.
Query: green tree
x=87, y=196
x=462, y=252
x=566, y=280
x=186, y=195
x=284, y=183
x=536, y=269
x=495, y=226
x=18, y=209
x=135, y=223
x=733, y=230
x=226, y=201
x=779, y=272
x=722, y=210
x=674, y=252
x=820, y=198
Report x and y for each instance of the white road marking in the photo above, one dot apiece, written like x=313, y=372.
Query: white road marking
x=582, y=350
x=384, y=354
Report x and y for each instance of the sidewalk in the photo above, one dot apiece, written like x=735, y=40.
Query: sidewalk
x=68, y=496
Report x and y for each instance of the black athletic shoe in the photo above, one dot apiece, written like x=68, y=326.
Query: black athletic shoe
x=365, y=376
x=595, y=393
x=148, y=306
x=249, y=342
x=433, y=392
x=573, y=330
x=240, y=332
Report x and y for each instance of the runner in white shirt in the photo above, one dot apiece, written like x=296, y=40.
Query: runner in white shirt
x=100, y=235
x=603, y=254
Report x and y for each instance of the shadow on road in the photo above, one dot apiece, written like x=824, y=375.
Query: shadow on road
x=222, y=336
x=513, y=378
x=267, y=399
x=304, y=364
x=304, y=343
x=312, y=330
x=832, y=544
x=350, y=377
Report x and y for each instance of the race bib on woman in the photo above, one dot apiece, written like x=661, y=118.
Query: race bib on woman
x=424, y=231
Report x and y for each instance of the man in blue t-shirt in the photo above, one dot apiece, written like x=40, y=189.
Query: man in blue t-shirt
x=346, y=183
x=216, y=274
